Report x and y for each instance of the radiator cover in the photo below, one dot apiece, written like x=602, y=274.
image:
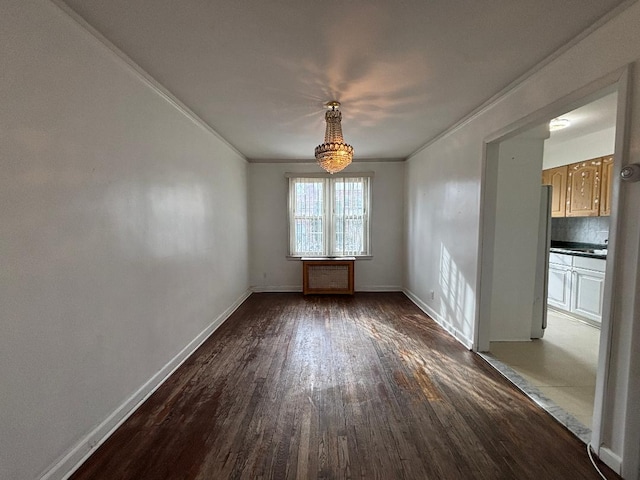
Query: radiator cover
x=327, y=276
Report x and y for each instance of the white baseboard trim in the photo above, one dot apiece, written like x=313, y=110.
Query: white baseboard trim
x=455, y=333
x=277, y=289
x=298, y=288
x=75, y=457
x=613, y=461
x=378, y=288
x=512, y=339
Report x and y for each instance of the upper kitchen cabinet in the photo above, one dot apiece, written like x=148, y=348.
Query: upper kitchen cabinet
x=583, y=188
x=557, y=178
x=605, y=189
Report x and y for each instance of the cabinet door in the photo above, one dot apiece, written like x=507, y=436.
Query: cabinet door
x=605, y=189
x=559, y=287
x=587, y=292
x=583, y=189
x=557, y=178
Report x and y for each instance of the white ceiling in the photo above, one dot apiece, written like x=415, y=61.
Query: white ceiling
x=258, y=72
x=590, y=118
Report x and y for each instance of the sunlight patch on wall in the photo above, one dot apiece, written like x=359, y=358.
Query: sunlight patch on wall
x=458, y=299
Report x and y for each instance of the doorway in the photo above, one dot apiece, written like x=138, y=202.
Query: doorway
x=560, y=369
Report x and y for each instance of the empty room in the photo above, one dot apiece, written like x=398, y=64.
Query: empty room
x=308, y=240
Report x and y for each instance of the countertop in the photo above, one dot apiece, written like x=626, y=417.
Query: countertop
x=592, y=250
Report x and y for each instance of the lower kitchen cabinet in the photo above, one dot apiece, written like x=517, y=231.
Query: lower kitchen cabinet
x=576, y=285
x=559, y=290
x=586, y=293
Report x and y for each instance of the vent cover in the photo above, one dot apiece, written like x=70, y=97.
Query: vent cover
x=327, y=276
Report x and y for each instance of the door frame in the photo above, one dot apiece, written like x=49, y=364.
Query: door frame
x=619, y=81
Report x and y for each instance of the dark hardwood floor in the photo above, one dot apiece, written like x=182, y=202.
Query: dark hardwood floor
x=337, y=387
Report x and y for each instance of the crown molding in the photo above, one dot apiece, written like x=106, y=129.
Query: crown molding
x=491, y=101
x=142, y=74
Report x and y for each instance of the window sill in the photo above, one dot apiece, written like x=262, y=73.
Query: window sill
x=357, y=257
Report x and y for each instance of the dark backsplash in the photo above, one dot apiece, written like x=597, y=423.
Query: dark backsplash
x=580, y=229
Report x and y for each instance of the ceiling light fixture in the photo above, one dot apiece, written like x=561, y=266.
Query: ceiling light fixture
x=333, y=155
x=558, y=124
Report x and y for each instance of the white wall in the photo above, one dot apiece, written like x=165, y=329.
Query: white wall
x=444, y=183
x=268, y=190
x=585, y=147
x=516, y=217
x=124, y=236
x=442, y=221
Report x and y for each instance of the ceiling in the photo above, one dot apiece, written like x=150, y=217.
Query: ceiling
x=258, y=72
x=595, y=116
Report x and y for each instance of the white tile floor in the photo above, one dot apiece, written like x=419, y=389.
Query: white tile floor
x=562, y=365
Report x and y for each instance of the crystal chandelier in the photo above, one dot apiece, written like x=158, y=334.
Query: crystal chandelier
x=333, y=155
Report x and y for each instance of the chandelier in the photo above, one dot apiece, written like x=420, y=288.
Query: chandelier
x=333, y=155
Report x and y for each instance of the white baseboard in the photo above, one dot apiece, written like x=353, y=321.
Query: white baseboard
x=277, y=289
x=455, y=333
x=513, y=339
x=378, y=288
x=75, y=457
x=298, y=288
x=613, y=461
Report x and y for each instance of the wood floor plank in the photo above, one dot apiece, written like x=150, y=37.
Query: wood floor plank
x=337, y=387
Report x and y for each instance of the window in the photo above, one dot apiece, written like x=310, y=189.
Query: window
x=329, y=216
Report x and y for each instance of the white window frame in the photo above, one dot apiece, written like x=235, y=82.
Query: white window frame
x=329, y=231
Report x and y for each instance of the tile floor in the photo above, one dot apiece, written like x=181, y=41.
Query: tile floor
x=561, y=367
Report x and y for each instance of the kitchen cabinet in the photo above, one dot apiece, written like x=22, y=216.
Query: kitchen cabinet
x=559, y=282
x=559, y=287
x=557, y=178
x=586, y=293
x=576, y=285
x=605, y=189
x=583, y=188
